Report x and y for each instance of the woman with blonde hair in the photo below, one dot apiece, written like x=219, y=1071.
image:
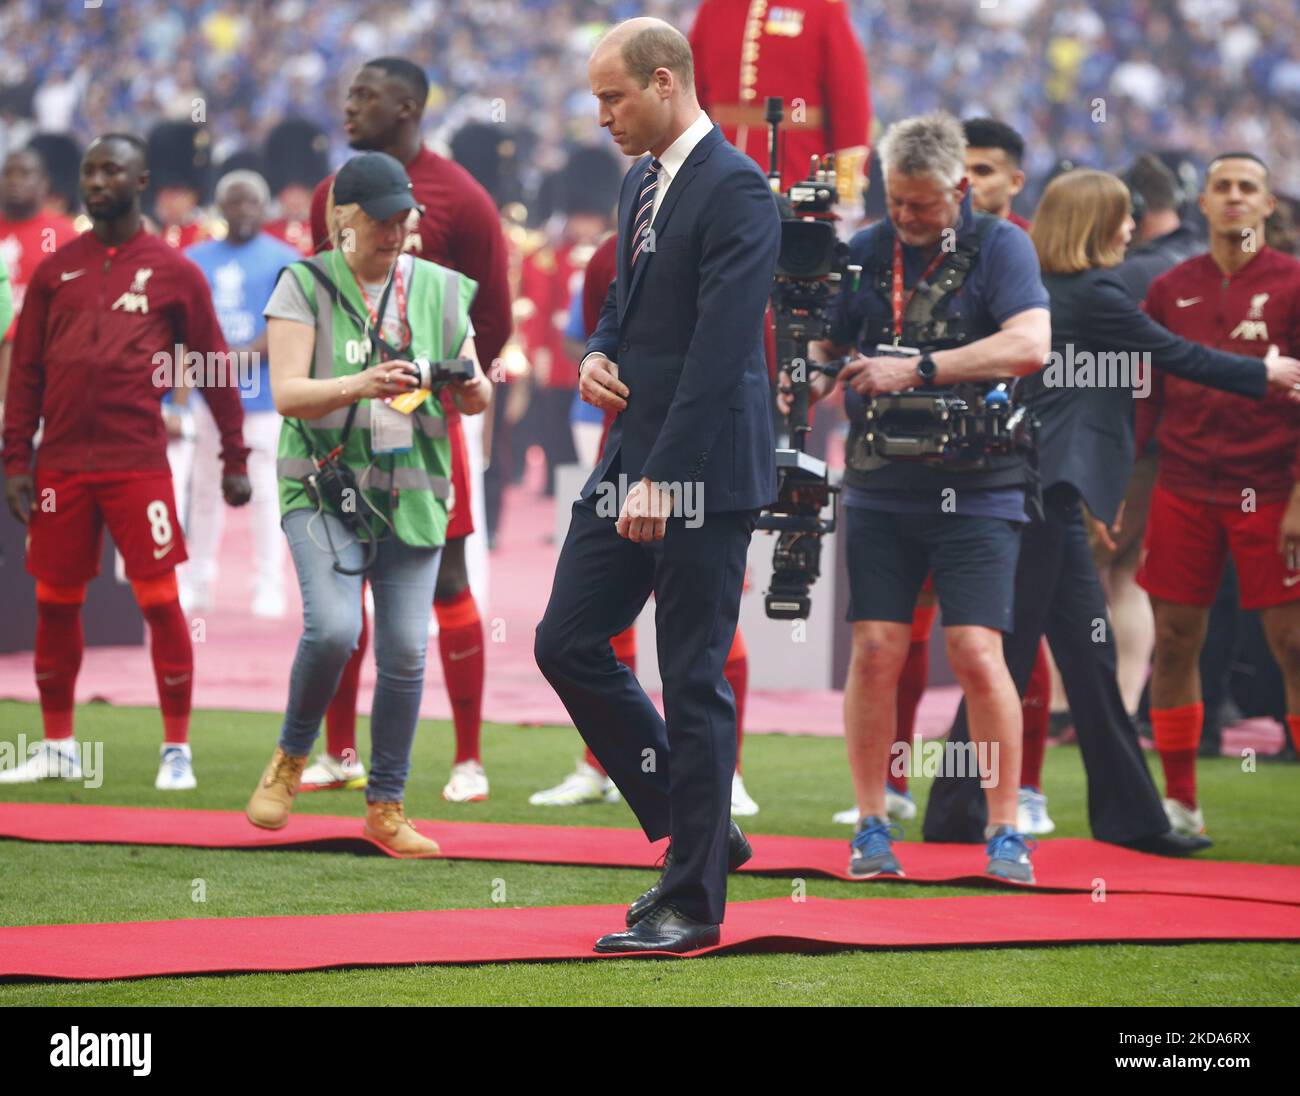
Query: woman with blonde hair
x=357, y=337
x=1103, y=347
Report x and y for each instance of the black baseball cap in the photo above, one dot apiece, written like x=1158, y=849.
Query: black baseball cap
x=378, y=183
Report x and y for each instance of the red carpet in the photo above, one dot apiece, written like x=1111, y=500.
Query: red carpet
x=1066, y=864
x=226, y=945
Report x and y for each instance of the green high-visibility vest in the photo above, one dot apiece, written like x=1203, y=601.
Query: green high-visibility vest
x=438, y=301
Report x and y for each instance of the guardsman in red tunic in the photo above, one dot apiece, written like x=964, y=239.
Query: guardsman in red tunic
x=179, y=162
x=802, y=50
x=296, y=155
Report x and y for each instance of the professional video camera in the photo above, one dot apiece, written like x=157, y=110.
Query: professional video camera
x=810, y=267
x=962, y=425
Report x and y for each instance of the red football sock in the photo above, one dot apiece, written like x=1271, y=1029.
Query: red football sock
x=173, y=666
x=1177, y=732
x=1293, y=725
x=736, y=671
x=59, y=643
x=460, y=642
x=1036, y=708
x=341, y=715
x=911, y=687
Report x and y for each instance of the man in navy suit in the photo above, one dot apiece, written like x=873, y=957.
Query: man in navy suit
x=671, y=507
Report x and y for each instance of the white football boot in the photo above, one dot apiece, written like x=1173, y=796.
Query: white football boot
x=584, y=785
x=468, y=783
x=176, y=769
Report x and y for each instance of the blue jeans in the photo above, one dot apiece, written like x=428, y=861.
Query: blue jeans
x=402, y=579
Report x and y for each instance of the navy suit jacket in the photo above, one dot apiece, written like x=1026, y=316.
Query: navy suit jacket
x=686, y=330
x=1086, y=436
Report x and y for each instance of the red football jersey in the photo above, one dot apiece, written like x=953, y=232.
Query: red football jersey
x=95, y=352
x=1214, y=445
x=802, y=50
x=24, y=244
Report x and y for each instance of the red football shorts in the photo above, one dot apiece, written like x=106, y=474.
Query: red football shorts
x=66, y=535
x=460, y=522
x=1187, y=542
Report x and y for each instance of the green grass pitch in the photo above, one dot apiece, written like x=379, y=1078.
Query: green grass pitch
x=798, y=781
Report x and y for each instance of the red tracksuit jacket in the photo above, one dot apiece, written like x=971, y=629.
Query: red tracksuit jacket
x=84, y=358
x=1214, y=445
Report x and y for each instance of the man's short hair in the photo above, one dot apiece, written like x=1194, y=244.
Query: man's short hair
x=137, y=143
x=242, y=177
x=658, y=47
x=1155, y=182
x=1236, y=156
x=990, y=133
x=930, y=144
x=408, y=72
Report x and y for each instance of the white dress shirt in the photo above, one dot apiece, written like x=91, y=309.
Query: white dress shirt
x=675, y=155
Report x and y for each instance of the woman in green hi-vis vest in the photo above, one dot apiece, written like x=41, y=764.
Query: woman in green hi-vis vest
x=331, y=323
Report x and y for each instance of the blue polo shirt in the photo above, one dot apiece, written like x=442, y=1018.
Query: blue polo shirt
x=242, y=277
x=1003, y=281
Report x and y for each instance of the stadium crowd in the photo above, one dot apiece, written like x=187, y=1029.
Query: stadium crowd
x=1196, y=75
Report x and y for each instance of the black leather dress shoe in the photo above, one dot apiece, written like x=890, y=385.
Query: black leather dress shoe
x=738, y=852
x=1170, y=844
x=662, y=929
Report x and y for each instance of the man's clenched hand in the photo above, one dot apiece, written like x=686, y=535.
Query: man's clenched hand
x=600, y=386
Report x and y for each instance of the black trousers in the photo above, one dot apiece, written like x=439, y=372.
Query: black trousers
x=1058, y=594
x=674, y=771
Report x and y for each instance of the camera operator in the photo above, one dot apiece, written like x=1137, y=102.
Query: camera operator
x=961, y=519
x=348, y=333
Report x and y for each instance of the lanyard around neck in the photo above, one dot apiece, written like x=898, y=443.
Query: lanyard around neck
x=900, y=305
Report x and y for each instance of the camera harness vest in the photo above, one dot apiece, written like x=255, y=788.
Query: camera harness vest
x=928, y=327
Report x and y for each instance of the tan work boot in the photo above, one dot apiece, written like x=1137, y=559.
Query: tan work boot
x=387, y=823
x=273, y=797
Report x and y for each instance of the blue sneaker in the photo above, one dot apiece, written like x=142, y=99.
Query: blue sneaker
x=1009, y=855
x=873, y=852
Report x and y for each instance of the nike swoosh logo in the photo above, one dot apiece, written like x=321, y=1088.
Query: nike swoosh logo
x=456, y=657
x=1291, y=581
x=169, y=681
x=1187, y=302
x=158, y=553
x=68, y=275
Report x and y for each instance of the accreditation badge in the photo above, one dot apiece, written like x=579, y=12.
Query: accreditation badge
x=390, y=430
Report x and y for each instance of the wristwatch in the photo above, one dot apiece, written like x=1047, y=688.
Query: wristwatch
x=926, y=369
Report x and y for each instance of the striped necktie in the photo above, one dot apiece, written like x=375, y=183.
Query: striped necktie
x=645, y=205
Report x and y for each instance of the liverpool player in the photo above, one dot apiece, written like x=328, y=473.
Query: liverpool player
x=459, y=228
x=1229, y=473
x=994, y=152
x=95, y=350
x=28, y=233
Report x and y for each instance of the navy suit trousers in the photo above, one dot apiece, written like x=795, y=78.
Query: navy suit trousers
x=674, y=772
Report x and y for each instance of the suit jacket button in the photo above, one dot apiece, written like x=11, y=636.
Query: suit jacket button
x=624, y=345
